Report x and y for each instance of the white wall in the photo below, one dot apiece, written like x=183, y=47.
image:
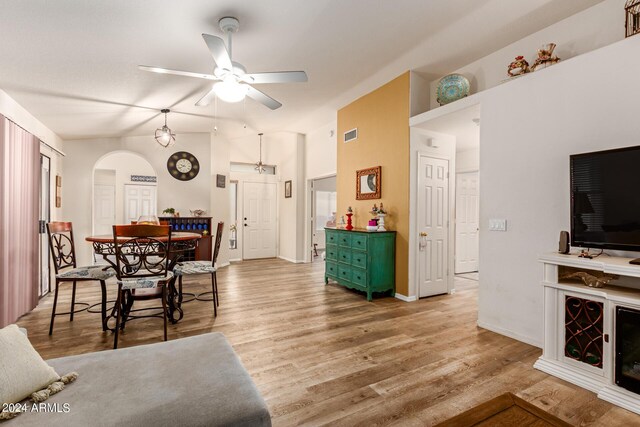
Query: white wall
x=321, y=156
x=82, y=155
x=583, y=32
x=468, y=160
x=441, y=145
x=219, y=206
x=586, y=104
x=124, y=164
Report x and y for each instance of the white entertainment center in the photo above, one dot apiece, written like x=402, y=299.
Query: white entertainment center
x=580, y=323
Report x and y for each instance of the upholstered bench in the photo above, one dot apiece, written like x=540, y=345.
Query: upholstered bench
x=195, y=381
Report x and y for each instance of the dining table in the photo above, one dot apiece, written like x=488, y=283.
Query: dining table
x=181, y=244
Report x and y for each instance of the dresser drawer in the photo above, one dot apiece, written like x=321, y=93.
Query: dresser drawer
x=359, y=277
x=344, y=273
x=332, y=237
x=331, y=269
x=359, y=259
x=344, y=240
x=344, y=256
x=359, y=241
x=332, y=253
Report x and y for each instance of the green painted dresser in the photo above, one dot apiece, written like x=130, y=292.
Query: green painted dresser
x=362, y=260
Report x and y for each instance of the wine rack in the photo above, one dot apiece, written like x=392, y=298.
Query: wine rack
x=193, y=224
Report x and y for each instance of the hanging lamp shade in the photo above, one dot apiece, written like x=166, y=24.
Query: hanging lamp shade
x=163, y=135
x=260, y=166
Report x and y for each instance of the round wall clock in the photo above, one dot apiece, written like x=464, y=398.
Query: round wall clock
x=183, y=166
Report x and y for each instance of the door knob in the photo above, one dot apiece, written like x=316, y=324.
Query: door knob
x=423, y=234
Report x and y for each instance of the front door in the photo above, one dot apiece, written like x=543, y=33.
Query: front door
x=259, y=225
x=139, y=200
x=433, y=226
x=467, y=222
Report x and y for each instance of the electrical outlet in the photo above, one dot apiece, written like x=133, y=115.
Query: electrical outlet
x=497, y=225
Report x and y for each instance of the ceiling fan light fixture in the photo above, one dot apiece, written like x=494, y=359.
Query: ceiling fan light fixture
x=230, y=90
x=163, y=135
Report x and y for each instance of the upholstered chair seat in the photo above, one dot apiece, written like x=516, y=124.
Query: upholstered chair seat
x=194, y=267
x=144, y=282
x=93, y=272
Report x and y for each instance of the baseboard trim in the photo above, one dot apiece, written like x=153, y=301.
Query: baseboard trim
x=574, y=376
x=405, y=298
x=510, y=334
x=291, y=260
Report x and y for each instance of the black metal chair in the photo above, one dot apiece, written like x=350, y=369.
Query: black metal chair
x=204, y=267
x=63, y=253
x=143, y=254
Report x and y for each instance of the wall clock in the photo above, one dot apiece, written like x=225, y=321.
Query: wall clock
x=183, y=166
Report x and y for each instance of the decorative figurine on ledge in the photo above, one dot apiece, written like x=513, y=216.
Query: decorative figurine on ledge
x=518, y=67
x=545, y=57
x=349, y=215
x=342, y=223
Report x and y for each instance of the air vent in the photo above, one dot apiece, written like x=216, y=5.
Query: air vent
x=351, y=135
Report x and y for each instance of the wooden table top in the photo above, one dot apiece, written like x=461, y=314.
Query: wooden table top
x=177, y=236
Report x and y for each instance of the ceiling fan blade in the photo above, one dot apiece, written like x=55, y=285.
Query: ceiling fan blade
x=263, y=98
x=218, y=51
x=276, y=77
x=206, y=99
x=177, y=72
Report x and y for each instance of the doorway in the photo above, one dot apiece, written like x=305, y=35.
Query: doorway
x=45, y=217
x=467, y=222
x=118, y=196
x=433, y=225
x=139, y=200
x=323, y=213
x=259, y=223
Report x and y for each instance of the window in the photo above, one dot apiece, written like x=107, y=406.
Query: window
x=251, y=168
x=233, y=214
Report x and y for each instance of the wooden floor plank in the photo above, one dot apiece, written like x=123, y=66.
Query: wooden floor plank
x=323, y=355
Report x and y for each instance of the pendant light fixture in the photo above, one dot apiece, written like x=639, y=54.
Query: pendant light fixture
x=260, y=166
x=163, y=135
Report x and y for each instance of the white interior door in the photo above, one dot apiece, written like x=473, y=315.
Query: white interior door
x=467, y=222
x=259, y=225
x=139, y=200
x=104, y=208
x=433, y=225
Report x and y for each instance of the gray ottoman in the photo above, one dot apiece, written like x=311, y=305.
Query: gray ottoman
x=196, y=381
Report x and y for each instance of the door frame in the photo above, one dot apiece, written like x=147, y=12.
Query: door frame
x=477, y=171
x=42, y=228
x=450, y=218
x=309, y=224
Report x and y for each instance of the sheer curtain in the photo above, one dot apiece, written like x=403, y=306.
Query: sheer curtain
x=19, y=197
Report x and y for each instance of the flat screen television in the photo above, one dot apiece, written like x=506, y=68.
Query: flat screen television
x=605, y=199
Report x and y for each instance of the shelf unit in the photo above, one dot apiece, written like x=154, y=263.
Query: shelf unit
x=193, y=224
x=568, y=326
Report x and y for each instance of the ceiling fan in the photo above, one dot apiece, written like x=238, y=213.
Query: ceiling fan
x=232, y=81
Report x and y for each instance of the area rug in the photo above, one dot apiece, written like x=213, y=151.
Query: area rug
x=505, y=410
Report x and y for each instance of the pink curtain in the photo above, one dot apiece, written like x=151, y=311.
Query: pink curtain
x=19, y=198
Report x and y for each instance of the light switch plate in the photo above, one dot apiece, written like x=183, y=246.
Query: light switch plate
x=497, y=225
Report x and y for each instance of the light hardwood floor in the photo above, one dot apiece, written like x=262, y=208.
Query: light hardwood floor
x=324, y=355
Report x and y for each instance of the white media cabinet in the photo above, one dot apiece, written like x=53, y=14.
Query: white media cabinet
x=563, y=299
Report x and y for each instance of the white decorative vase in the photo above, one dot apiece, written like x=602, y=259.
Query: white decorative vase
x=381, y=222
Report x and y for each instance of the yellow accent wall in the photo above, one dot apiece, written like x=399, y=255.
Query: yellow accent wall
x=382, y=119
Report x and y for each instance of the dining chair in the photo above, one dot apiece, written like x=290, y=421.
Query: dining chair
x=204, y=267
x=63, y=253
x=143, y=254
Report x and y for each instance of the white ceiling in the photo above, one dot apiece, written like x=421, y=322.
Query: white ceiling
x=73, y=64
